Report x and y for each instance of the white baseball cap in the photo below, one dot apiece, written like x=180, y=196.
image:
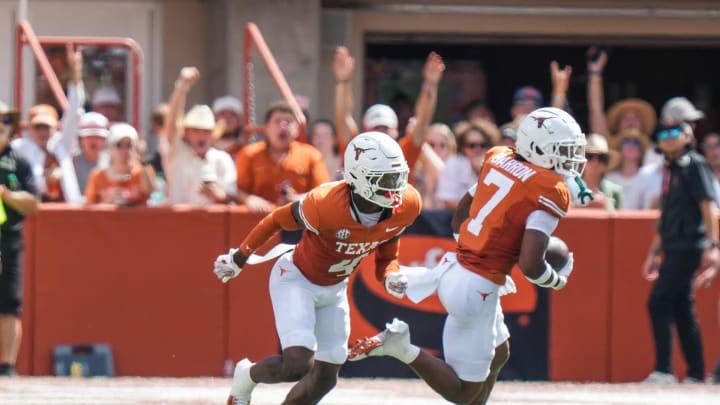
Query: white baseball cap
x=679, y=109
x=380, y=115
x=93, y=124
x=227, y=103
x=106, y=96
x=121, y=131
x=200, y=117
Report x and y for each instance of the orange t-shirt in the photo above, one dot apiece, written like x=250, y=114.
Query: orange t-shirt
x=334, y=242
x=258, y=174
x=411, y=152
x=125, y=190
x=508, y=190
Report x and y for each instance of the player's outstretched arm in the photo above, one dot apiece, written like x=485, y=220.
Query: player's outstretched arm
x=287, y=218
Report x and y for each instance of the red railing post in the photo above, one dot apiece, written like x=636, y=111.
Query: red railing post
x=27, y=35
x=253, y=35
x=137, y=59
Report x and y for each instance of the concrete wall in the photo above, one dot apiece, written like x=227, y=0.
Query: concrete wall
x=291, y=29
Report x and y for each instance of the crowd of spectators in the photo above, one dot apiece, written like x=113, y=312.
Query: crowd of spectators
x=202, y=155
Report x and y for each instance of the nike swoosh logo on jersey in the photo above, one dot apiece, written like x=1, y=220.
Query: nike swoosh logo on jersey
x=390, y=229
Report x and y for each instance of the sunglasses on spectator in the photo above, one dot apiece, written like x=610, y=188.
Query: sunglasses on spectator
x=476, y=145
x=634, y=142
x=6, y=120
x=600, y=157
x=670, y=133
x=124, y=145
x=440, y=145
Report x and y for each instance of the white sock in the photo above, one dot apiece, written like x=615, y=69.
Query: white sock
x=243, y=384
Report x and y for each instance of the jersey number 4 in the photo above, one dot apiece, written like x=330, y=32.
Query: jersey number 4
x=347, y=266
x=504, y=184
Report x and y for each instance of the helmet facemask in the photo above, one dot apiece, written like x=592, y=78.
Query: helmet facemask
x=387, y=188
x=569, y=158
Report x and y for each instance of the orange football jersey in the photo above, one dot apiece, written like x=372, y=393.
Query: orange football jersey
x=334, y=242
x=508, y=190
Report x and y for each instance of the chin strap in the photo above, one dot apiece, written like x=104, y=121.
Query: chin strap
x=584, y=191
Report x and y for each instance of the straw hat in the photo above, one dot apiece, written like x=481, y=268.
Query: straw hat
x=648, y=117
x=630, y=133
x=489, y=130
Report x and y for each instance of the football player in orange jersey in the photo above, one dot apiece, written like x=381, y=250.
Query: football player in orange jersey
x=344, y=221
x=506, y=218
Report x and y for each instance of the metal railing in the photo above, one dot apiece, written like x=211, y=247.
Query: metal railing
x=254, y=37
x=26, y=36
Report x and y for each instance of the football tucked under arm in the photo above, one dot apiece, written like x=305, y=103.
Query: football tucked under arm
x=536, y=253
x=557, y=253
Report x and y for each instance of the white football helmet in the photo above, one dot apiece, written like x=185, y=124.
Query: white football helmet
x=376, y=168
x=551, y=138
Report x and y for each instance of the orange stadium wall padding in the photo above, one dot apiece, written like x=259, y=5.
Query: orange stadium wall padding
x=141, y=280
x=579, y=314
x=251, y=325
x=631, y=343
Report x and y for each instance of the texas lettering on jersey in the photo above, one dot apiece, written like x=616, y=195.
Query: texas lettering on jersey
x=508, y=191
x=334, y=242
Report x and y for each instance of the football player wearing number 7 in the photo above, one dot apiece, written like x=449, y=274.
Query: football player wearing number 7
x=506, y=218
x=344, y=221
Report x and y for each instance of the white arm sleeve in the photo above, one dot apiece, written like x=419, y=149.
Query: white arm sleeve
x=472, y=190
x=542, y=221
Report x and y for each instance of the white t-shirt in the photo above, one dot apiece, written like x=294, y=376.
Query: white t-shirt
x=633, y=189
x=456, y=179
x=652, y=183
x=185, y=172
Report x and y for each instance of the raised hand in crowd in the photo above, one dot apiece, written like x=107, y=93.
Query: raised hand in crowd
x=344, y=68
x=343, y=65
x=189, y=75
x=75, y=63
x=560, y=83
x=433, y=70
x=597, y=59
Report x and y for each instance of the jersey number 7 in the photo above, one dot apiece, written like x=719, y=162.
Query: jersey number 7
x=504, y=184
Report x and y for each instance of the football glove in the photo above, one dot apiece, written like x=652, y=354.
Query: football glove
x=396, y=283
x=567, y=268
x=225, y=267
